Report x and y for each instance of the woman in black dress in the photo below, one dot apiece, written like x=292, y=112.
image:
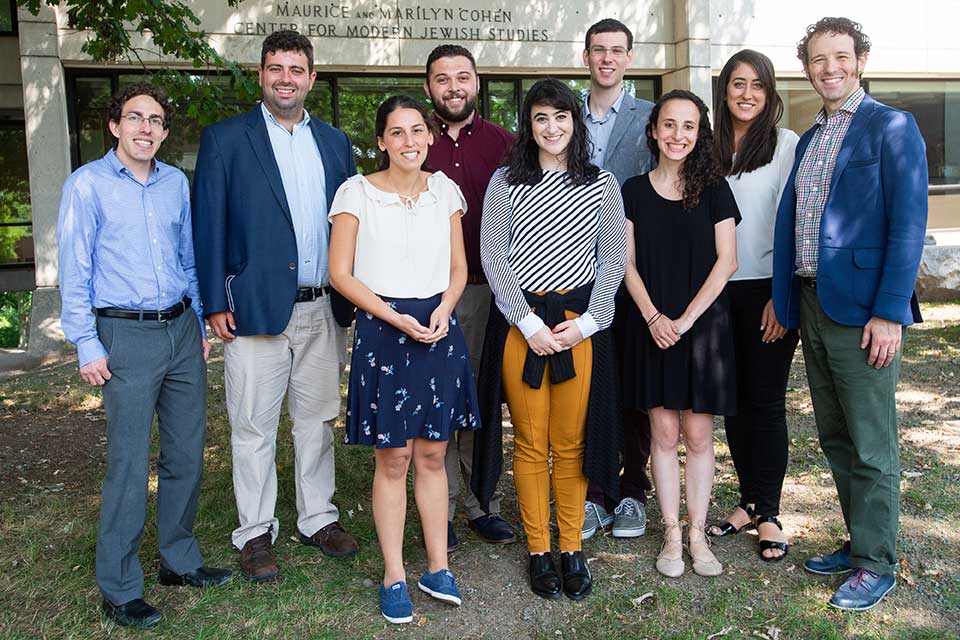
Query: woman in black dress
x=679, y=363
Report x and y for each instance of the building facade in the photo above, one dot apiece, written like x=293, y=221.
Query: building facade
x=52, y=96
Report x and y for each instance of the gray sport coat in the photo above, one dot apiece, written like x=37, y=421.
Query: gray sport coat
x=627, y=152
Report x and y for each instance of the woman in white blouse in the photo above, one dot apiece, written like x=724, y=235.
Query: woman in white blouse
x=756, y=156
x=396, y=251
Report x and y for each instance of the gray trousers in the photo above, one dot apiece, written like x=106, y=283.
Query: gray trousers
x=156, y=367
x=472, y=310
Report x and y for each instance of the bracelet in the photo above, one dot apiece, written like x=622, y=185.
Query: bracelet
x=654, y=319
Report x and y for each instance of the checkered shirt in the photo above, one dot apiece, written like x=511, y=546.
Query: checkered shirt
x=813, y=180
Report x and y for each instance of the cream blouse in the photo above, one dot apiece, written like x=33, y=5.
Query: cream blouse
x=403, y=248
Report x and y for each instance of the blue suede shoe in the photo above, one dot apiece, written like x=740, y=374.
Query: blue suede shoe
x=835, y=563
x=395, y=603
x=441, y=586
x=863, y=589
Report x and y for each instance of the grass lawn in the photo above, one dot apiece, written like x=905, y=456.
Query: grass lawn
x=52, y=440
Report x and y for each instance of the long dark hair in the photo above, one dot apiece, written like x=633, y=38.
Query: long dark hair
x=523, y=161
x=760, y=142
x=699, y=169
x=390, y=105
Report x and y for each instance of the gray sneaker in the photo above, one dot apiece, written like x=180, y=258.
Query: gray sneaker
x=630, y=519
x=595, y=517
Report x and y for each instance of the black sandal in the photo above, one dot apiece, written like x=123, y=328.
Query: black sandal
x=728, y=529
x=772, y=544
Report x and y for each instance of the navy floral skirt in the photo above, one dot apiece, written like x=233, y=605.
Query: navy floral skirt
x=402, y=389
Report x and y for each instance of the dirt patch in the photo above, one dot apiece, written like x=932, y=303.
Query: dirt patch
x=51, y=452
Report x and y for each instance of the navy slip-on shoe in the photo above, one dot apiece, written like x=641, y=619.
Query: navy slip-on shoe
x=862, y=590
x=395, y=603
x=835, y=563
x=442, y=586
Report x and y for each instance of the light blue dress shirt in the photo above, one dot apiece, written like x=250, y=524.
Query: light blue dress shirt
x=122, y=244
x=600, y=129
x=301, y=170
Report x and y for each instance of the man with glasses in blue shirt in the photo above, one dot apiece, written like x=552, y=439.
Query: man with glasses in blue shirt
x=130, y=304
x=617, y=124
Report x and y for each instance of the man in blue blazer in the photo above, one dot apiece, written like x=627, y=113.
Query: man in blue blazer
x=849, y=238
x=263, y=185
x=617, y=123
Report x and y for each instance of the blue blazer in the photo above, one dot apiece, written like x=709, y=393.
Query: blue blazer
x=243, y=233
x=873, y=226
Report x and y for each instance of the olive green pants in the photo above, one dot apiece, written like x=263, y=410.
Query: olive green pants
x=855, y=408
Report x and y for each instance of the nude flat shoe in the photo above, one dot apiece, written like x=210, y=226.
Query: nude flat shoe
x=704, y=562
x=670, y=560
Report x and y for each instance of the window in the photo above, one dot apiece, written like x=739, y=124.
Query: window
x=8, y=18
x=16, y=229
x=348, y=102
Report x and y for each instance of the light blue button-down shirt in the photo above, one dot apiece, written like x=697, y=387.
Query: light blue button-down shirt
x=301, y=170
x=122, y=244
x=600, y=129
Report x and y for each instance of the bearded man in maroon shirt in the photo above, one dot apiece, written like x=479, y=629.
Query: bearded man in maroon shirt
x=468, y=149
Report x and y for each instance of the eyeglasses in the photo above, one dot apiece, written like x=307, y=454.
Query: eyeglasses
x=615, y=52
x=135, y=119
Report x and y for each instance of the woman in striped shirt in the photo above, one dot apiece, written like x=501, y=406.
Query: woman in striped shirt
x=553, y=243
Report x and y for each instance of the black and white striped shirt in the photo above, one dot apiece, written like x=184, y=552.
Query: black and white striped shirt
x=552, y=236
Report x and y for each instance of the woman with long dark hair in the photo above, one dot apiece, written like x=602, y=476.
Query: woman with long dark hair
x=396, y=251
x=678, y=353
x=552, y=242
x=756, y=157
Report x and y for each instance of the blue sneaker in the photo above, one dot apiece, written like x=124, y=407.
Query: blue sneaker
x=863, y=589
x=441, y=586
x=395, y=603
x=836, y=562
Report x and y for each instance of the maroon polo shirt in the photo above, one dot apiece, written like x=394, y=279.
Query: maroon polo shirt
x=469, y=161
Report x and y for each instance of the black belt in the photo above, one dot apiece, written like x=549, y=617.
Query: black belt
x=808, y=281
x=309, y=294
x=163, y=315
x=476, y=278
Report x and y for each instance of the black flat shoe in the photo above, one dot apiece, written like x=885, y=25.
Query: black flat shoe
x=135, y=613
x=577, y=581
x=726, y=528
x=202, y=577
x=772, y=544
x=544, y=579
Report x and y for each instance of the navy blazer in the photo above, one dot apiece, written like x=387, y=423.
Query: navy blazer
x=873, y=226
x=243, y=233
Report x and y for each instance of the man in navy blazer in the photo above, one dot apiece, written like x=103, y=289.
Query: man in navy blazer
x=849, y=237
x=263, y=185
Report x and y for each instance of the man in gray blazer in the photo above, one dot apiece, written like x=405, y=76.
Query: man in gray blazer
x=617, y=124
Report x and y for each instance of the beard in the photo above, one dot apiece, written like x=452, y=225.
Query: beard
x=469, y=105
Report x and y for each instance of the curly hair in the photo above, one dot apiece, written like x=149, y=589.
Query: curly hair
x=700, y=168
x=287, y=40
x=760, y=141
x=121, y=97
x=846, y=26
x=523, y=161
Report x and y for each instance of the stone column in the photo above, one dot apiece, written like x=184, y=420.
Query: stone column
x=691, y=32
x=48, y=152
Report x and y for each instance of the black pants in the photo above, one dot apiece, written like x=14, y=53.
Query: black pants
x=634, y=482
x=757, y=435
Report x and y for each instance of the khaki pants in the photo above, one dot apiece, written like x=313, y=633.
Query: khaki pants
x=472, y=311
x=304, y=363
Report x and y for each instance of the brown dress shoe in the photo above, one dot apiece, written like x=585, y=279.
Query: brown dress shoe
x=256, y=559
x=333, y=540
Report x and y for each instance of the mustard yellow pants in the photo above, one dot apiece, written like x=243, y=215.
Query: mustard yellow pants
x=549, y=421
